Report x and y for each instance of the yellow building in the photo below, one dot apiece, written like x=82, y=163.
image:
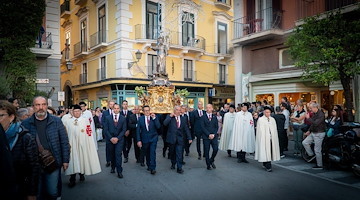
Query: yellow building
x=100, y=39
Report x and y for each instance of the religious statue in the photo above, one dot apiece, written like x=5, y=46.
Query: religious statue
x=162, y=48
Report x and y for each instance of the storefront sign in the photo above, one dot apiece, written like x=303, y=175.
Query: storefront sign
x=61, y=96
x=44, y=80
x=228, y=92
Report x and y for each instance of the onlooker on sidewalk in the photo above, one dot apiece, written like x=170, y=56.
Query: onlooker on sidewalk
x=315, y=134
x=297, y=120
x=286, y=112
x=333, y=123
x=280, y=122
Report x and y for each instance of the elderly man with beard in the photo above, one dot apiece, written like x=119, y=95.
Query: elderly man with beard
x=52, y=136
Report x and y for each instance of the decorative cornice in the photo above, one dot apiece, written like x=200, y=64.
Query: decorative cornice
x=222, y=13
x=66, y=23
x=82, y=11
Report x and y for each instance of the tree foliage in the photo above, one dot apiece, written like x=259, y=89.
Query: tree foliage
x=19, y=25
x=327, y=49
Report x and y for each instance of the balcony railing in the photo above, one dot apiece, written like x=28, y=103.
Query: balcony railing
x=80, y=48
x=143, y=31
x=83, y=78
x=223, y=48
x=261, y=21
x=101, y=73
x=98, y=38
x=65, y=8
x=311, y=8
x=43, y=40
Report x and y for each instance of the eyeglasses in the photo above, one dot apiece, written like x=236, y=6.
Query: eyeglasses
x=2, y=115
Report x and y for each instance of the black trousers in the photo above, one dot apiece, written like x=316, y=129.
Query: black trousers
x=286, y=142
x=176, y=154
x=198, y=143
x=127, y=145
x=214, y=144
x=115, y=154
x=282, y=140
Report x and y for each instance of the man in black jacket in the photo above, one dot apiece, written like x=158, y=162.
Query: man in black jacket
x=280, y=123
x=209, y=127
x=128, y=138
x=133, y=120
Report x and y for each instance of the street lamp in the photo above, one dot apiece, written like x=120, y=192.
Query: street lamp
x=69, y=65
x=138, y=55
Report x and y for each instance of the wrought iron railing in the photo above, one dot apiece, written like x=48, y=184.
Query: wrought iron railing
x=101, y=73
x=43, y=40
x=144, y=31
x=97, y=38
x=83, y=78
x=80, y=47
x=261, y=21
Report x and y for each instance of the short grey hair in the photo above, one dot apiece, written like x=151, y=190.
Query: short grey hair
x=176, y=107
x=22, y=112
x=315, y=105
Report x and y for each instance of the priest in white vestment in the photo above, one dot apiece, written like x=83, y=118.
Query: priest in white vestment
x=267, y=141
x=84, y=159
x=243, y=137
x=67, y=117
x=227, y=130
x=88, y=115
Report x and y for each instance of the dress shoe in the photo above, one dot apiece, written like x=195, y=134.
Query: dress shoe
x=112, y=171
x=183, y=163
x=126, y=160
x=172, y=167
x=142, y=165
x=187, y=154
x=180, y=171
x=199, y=158
x=213, y=165
x=204, y=156
x=245, y=161
x=82, y=177
x=107, y=164
x=208, y=168
x=120, y=175
x=71, y=184
x=153, y=172
x=229, y=155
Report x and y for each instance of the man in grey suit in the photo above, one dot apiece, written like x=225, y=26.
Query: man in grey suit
x=106, y=113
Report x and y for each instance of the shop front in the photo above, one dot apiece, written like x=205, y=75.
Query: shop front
x=222, y=96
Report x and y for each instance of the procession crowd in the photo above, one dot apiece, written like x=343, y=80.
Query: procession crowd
x=37, y=141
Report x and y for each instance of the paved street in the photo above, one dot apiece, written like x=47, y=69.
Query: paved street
x=291, y=179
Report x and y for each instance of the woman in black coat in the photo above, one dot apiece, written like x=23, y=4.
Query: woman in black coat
x=24, y=153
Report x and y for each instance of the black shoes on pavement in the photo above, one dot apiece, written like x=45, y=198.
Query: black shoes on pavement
x=107, y=164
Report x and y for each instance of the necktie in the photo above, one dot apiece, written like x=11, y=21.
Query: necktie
x=137, y=116
x=148, y=122
x=209, y=117
x=200, y=113
x=116, y=121
x=177, y=122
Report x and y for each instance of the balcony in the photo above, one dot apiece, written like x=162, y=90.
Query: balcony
x=101, y=73
x=224, y=49
x=43, y=45
x=65, y=9
x=262, y=25
x=80, y=48
x=146, y=32
x=98, y=40
x=223, y=4
x=83, y=79
x=80, y=2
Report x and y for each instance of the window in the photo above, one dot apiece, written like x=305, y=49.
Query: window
x=102, y=24
x=188, y=30
x=67, y=37
x=153, y=20
x=83, y=36
x=83, y=75
x=152, y=63
x=66, y=51
x=222, y=38
x=222, y=74
x=285, y=60
x=188, y=70
x=102, y=70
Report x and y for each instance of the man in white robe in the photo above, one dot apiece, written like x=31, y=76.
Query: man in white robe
x=84, y=159
x=243, y=137
x=227, y=130
x=88, y=115
x=267, y=141
x=67, y=117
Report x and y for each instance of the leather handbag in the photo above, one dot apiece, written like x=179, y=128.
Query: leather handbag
x=47, y=160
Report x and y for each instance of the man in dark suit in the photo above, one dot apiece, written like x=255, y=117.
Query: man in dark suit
x=185, y=113
x=128, y=138
x=106, y=113
x=163, y=132
x=196, y=126
x=115, y=126
x=147, y=137
x=178, y=133
x=133, y=120
x=209, y=126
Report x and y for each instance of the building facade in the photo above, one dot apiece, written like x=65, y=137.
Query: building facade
x=47, y=51
x=101, y=40
x=263, y=66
